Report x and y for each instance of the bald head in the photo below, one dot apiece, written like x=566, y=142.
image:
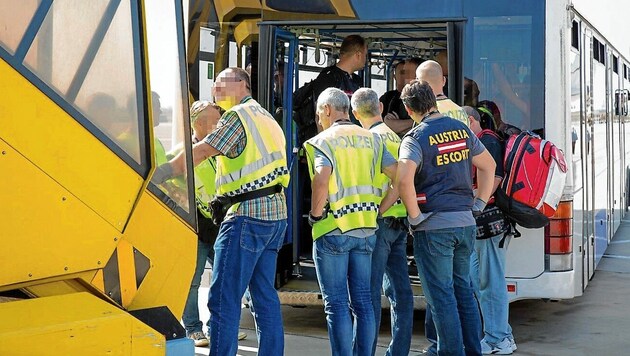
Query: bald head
x=431, y=72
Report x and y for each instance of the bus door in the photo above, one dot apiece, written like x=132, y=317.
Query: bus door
x=298, y=51
x=278, y=76
x=584, y=151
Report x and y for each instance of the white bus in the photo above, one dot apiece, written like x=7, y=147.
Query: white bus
x=556, y=67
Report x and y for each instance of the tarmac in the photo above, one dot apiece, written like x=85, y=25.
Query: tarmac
x=593, y=324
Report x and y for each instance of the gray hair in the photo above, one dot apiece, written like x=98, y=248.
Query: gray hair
x=334, y=97
x=365, y=103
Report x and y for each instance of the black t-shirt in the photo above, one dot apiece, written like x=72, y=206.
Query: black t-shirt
x=392, y=103
x=336, y=77
x=493, y=145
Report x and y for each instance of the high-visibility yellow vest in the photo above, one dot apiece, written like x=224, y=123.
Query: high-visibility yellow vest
x=392, y=142
x=353, y=191
x=205, y=174
x=447, y=107
x=263, y=162
x=160, y=152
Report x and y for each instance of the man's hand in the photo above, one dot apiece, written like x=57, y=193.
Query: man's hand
x=391, y=116
x=415, y=222
x=478, y=206
x=162, y=173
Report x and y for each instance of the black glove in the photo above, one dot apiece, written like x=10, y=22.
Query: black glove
x=313, y=219
x=478, y=206
x=162, y=173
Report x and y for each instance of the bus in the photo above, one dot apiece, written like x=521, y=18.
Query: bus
x=559, y=68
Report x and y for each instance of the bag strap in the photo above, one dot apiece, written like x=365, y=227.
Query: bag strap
x=255, y=194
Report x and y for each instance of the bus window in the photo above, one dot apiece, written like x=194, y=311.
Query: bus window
x=502, y=68
x=169, y=99
x=83, y=51
x=15, y=17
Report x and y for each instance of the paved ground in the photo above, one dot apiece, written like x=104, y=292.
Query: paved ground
x=598, y=323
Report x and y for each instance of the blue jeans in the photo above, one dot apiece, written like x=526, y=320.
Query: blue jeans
x=205, y=252
x=390, y=270
x=487, y=271
x=343, y=265
x=443, y=259
x=245, y=254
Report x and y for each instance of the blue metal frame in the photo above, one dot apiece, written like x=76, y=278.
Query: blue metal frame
x=17, y=62
x=32, y=29
x=290, y=133
x=92, y=50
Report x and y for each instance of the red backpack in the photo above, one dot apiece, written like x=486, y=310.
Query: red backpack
x=534, y=178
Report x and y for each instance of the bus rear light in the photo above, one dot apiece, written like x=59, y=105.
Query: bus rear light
x=559, y=245
x=559, y=263
x=564, y=210
x=559, y=228
x=559, y=239
x=511, y=287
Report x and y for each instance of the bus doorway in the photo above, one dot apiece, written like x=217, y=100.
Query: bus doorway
x=292, y=55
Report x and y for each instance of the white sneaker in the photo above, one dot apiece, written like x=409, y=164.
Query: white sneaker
x=512, y=343
x=199, y=338
x=242, y=335
x=502, y=348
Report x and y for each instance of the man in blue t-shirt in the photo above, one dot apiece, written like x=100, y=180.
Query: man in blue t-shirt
x=435, y=184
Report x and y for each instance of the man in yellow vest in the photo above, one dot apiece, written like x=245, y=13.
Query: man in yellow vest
x=204, y=117
x=389, y=259
x=345, y=162
x=250, y=150
x=431, y=72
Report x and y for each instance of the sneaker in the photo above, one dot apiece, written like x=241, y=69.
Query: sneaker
x=512, y=343
x=502, y=348
x=242, y=335
x=199, y=338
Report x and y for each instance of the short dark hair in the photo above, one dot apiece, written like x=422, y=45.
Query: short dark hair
x=418, y=96
x=242, y=75
x=351, y=44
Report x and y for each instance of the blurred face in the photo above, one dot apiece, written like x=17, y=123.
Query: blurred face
x=228, y=90
x=404, y=74
x=206, y=121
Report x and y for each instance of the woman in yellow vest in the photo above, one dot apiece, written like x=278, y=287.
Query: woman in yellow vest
x=345, y=161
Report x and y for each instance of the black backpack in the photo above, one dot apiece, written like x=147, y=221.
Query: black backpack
x=304, y=101
x=304, y=112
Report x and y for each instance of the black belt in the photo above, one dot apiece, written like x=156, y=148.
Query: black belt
x=220, y=204
x=254, y=194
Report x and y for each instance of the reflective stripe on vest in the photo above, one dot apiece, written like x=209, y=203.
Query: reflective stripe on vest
x=262, y=163
x=392, y=142
x=353, y=192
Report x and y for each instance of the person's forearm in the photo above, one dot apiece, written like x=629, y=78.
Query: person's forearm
x=408, y=196
x=320, y=194
x=390, y=198
x=485, y=182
